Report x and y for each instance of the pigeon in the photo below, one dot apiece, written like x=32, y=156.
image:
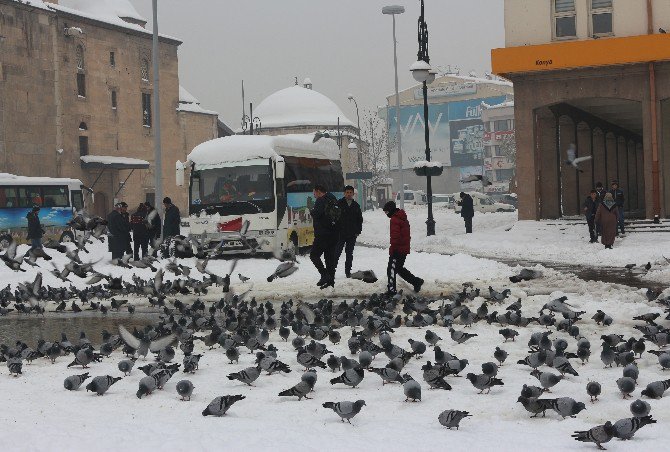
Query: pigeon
x=246, y=376
x=432, y=338
x=655, y=389
x=333, y=362
x=345, y=410
x=626, y=386
x=411, y=388
x=567, y=406
x=388, y=375
x=452, y=418
x=573, y=160
x=83, y=357
x=526, y=274
x=271, y=365
x=367, y=276
x=220, y=405
x=508, y=333
x=599, y=434
x=490, y=369
x=72, y=383
x=185, y=389
x=640, y=408
x=500, y=355
x=536, y=406
x=484, y=382
x=477, y=177
x=631, y=371
x=283, y=270
x=144, y=345
x=126, y=366
x=147, y=385
x=350, y=377
x=626, y=428
x=242, y=277
x=434, y=376
x=14, y=365
x=593, y=389
x=460, y=336
x=233, y=354
x=663, y=358
x=547, y=379
x=300, y=390
x=101, y=384
x=531, y=392
x=309, y=361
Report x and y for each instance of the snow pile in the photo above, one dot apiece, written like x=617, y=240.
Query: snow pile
x=188, y=103
x=115, y=9
x=113, y=160
x=427, y=164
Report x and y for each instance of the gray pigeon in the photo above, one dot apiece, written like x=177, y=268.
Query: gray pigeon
x=72, y=383
x=283, y=270
x=310, y=378
x=147, y=385
x=484, y=382
x=655, y=389
x=144, y=345
x=547, y=379
x=432, y=338
x=350, y=377
x=631, y=371
x=101, y=384
x=367, y=276
x=185, y=389
x=640, y=408
x=531, y=392
x=365, y=359
x=126, y=366
x=309, y=361
x=246, y=376
x=452, y=418
x=626, y=428
x=593, y=389
x=300, y=390
x=345, y=410
x=490, y=369
x=387, y=374
x=567, y=407
x=500, y=355
x=411, y=388
x=460, y=336
x=333, y=363
x=598, y=435
x=220, y=405
x=536, y=406
x=626, y=386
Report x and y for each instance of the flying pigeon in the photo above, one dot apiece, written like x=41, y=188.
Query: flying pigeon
x=345, y=410
x=573, y=160
x=144, y=345
x=283, y=270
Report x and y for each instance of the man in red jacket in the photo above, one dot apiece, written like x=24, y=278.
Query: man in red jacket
x=399, y=249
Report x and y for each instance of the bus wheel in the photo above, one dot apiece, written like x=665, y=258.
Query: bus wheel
x=5, y=241
x=66, y=237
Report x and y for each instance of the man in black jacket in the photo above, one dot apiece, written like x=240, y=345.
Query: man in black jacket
x=153, y=222
x=590, y=208
x=140, y=232
x=467, y=211
x=619, y=199
x=119, y=231
x=325, y=235
x=172, y=220
x=351, y=225
x=35, y=231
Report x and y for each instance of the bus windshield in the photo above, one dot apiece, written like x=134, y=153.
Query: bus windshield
x=233, y=190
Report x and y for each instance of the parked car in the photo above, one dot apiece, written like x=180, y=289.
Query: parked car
x=444, y=200
x=506, y=198
x=414, y=197
x=484, y=203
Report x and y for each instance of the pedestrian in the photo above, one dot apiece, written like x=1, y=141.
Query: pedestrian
x=467, y=211
x=600, y=192
x=325, y=218
x=172, y=220
x=400, y=239
x=590, y=208
x=126, y=217
x=35, y=231
x=607, y=216
x=153, y=222
x=119, y=231
x=140, y=232
x=350, y=226
x=617, y=195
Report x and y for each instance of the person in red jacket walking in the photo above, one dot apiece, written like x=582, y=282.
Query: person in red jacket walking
x=399, y=249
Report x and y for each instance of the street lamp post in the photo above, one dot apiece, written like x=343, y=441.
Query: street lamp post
x=423, y=73
x=158, y=162
x=393, y=10
x=359, y=182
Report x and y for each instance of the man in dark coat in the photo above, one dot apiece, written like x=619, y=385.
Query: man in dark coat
x=467, y=211
x=325, y=235
x=153, y=222
x=140, y=232
x=590, y=208
x=35, y=231
x=119, y=231
x=619, y=199
x=400, y=239
x=172, y=220
x=351, y=225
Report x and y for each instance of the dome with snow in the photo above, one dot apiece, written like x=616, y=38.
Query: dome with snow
x=298, y=106
x=122, y=9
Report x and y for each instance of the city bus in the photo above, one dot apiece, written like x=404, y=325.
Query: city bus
x=266, y=181
x=59, y=199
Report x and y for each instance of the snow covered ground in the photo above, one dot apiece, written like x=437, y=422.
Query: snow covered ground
x=500, y=235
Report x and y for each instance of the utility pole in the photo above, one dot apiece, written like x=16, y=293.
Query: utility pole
x=158, y=163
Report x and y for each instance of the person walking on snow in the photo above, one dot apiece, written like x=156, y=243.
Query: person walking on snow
x=172, y=219
x=35, y=231
x=400, y=239
x=140, y=232
x=119, y=231
x=351, y=225
x=325, y=217
x=467, y=211
x=590, y=208
x=617, y=195
x=607, y=216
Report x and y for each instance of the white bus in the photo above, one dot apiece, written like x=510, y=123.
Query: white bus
x=59, y=198
x=265, y=180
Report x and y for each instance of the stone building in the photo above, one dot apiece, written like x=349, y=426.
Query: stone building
x=76, y=81
x=499, y=147
x=596, y=74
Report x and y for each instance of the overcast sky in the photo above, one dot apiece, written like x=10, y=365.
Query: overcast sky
x=344, y=46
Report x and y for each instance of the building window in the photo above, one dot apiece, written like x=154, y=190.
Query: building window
x=564, y=19
x=601, y=17
x=146, y=109
x=501, y=125
x=497, y=151
x=114, y=100
x=83, y=145
x=112, y=59
x=83, y=126
x=504, y=174
x=81, y=85
x=80, y=57
x=145, y=70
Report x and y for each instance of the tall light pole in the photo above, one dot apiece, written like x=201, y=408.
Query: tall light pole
x=392, y=10
x=423, y=73
x=359, y=182
x=158, y=163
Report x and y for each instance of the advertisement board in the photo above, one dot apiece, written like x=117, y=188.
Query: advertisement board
x=466, y=171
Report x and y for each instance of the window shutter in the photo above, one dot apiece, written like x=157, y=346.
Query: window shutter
x=565, y=6
x=597, y=4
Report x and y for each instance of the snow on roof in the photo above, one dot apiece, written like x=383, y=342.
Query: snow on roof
x=509, y=103
x=99, y=161
x=13, y=179
x=111, y=8
x=446, y=79
x=298, y=106
x=188, y=103
x=240, y=148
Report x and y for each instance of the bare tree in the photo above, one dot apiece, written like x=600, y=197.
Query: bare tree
x=375, y=147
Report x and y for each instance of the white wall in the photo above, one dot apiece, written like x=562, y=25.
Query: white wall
x=529, y=22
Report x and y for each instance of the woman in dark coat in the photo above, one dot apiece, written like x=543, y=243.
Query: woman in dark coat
x=140, y=232
x=35, y=231
x=467, y=211
x=607, y=216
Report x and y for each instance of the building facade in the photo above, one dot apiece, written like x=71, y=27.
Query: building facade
x=596, y=74
x=76, y=80
x=456, y=129
x=499, y=147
